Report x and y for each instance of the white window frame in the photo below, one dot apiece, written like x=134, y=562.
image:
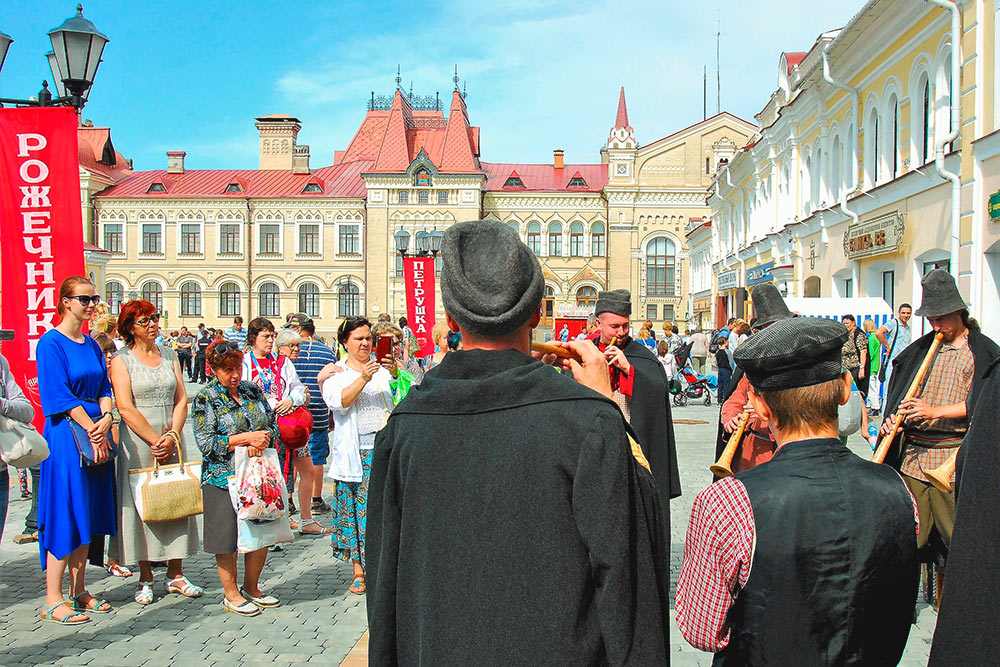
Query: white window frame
x=200, y=254
x=124, y=235
x=218, y=297
x=180, y=297
x=319, y=298
x=163, y=240
x=258, y=252
x=317, y=220
x=361, y=238
x=260, y=311
x=224, y=219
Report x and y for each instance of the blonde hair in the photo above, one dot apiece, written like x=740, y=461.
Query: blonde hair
x=439, y=333
x=869, y=325
x=104, y=324
x=387, y=329
x=644, y=332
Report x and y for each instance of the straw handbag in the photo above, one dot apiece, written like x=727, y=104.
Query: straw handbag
x=167, y=492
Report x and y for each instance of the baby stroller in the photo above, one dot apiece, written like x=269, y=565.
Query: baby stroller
x=686, y=384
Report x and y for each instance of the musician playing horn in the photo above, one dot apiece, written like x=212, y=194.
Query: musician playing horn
x=810, y=558
x=758, y=444
x=937, y=417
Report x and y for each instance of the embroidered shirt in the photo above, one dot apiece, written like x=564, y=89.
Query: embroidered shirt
x=217, y=415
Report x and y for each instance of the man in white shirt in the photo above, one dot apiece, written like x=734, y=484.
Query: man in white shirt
x=895, y=336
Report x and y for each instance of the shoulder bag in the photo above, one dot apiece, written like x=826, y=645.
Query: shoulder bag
x=21, y=445
x=167, y=492
x=885, y=360
x=86, y=447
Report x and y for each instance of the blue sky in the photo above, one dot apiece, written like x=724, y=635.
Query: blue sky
x=187, y=75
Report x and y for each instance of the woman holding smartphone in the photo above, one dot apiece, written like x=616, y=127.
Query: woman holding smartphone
x=360, y=396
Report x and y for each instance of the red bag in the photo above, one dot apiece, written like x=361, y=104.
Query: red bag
x=295, y=427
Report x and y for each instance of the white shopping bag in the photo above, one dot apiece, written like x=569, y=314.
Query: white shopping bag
x=254, y=535
x=260, y=486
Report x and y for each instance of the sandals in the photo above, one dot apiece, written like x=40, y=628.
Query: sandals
x=245, y=609
x=96, y=609
x=183, y=586
x=264, y=601
x=323, y=530
x=118, y=570
x=65, y=620
x=144, y=595
x=358, y=585
x=293, y=524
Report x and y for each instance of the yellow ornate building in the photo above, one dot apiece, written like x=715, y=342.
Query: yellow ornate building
x=873, y=165
x=206, y=245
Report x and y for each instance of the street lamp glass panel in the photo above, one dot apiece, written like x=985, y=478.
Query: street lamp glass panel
x=57, y=77
x=436, y=237
x=5, y=42
x=423, y=242
x=402, y=240
x=78, y=46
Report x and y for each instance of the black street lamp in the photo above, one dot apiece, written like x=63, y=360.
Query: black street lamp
x=77, y=46
x=424, y=243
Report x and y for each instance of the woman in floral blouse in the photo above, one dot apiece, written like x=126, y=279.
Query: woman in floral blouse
x=230, y=413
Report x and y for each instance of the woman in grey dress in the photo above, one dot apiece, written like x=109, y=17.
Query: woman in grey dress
x=153, y=404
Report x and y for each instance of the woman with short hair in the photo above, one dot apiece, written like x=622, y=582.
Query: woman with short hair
x=229, y=413
x=439, y=334
x=152, y=401
x=76, y=503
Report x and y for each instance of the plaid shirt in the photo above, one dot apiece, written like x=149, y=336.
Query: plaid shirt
x=948, y=382
x=718, y=557
x=216, y=416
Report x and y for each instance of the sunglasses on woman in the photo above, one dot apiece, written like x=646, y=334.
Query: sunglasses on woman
x=143, y=321
x=86, y=299
x=224, y=348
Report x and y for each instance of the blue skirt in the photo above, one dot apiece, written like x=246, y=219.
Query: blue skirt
x=75, y=504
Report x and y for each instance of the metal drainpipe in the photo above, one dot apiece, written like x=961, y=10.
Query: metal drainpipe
x=956, y=121
x=249, y=262
x=853, y=92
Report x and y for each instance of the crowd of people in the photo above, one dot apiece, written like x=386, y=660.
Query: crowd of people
x=445, y=468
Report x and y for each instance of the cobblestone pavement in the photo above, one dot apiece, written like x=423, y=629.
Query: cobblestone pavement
x=319, y=621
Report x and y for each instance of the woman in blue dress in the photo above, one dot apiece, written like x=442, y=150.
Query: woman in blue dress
x=76, y=504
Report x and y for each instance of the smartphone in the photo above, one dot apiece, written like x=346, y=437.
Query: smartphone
x=383, y=348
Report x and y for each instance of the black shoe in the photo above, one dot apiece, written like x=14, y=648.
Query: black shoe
x=320, y=507
x=292, y=509
x=26, y=495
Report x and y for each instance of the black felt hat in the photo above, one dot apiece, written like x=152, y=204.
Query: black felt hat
x=298, y=320
x=793, y=352
x=768, y=306
x=618, y=301
x=941, y=295
x=491, y=283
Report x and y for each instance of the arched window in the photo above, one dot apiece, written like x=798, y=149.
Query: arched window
x=268, y=301
x=309, y=299
x=836, y=172
x=114, y=292
x=513, y=225
x=555, y=240
x=229, y=300
x=872, y=152
x=924, y=148
x=811, y=288
x=816, y=179
x=891, y=125
x=660, y=268
x=348, y=299
x=807, y=186
x=597, y=244
x=398, y=268
x=535, y=238
x=945, y=99
x=152, y=292
x=576, y=239
x=190, y=299
x=586, y=297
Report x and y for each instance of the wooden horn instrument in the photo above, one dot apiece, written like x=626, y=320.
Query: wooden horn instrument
x=941, y=476
x=561, y=352
x=724, y=466
x=883, y=448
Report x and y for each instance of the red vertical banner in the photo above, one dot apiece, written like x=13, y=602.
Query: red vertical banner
x=41, y=231
x=418, y=274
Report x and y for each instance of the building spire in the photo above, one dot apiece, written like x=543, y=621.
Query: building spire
x=621, y=120
x=455, y=78
x=399, y=79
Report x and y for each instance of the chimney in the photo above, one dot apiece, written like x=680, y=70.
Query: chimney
x=557, y=158
x=175, y=162
x=278, y=133
x=300, y=160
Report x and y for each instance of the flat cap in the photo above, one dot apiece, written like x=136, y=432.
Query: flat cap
x=491, y=283
x=618, y=301
x=794, y=352
x=297, y=320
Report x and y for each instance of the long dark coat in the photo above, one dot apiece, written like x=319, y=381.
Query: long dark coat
x=508, y=523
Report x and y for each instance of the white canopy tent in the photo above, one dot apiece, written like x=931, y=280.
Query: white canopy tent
x=863, y=308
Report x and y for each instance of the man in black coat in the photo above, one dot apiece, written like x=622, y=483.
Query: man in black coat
x=639, y=386
x=508, y=521
x=968, y=627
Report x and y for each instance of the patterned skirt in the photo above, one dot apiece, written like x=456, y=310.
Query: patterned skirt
x=352, y=511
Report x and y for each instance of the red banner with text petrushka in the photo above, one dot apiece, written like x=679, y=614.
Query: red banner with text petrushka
x=418, y=273
x=41, y=231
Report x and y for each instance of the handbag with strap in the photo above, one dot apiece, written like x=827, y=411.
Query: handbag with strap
x=167, y=492
x=86, y=447
x=21, y=445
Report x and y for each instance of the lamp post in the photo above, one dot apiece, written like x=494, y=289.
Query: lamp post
x=424, y=243
x=77, y=46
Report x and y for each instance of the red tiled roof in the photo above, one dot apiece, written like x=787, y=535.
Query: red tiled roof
x=621, y=120
x=340, y=181
x=90, y=247
x=545, y=177
x=392, y=139
x=793, y=58
x=91, y=145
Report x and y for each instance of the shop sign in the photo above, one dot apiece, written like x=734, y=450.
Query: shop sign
x=994, y=206
x=882, y=235
x=760, y=274
x=728, y=279
x=702, y=304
